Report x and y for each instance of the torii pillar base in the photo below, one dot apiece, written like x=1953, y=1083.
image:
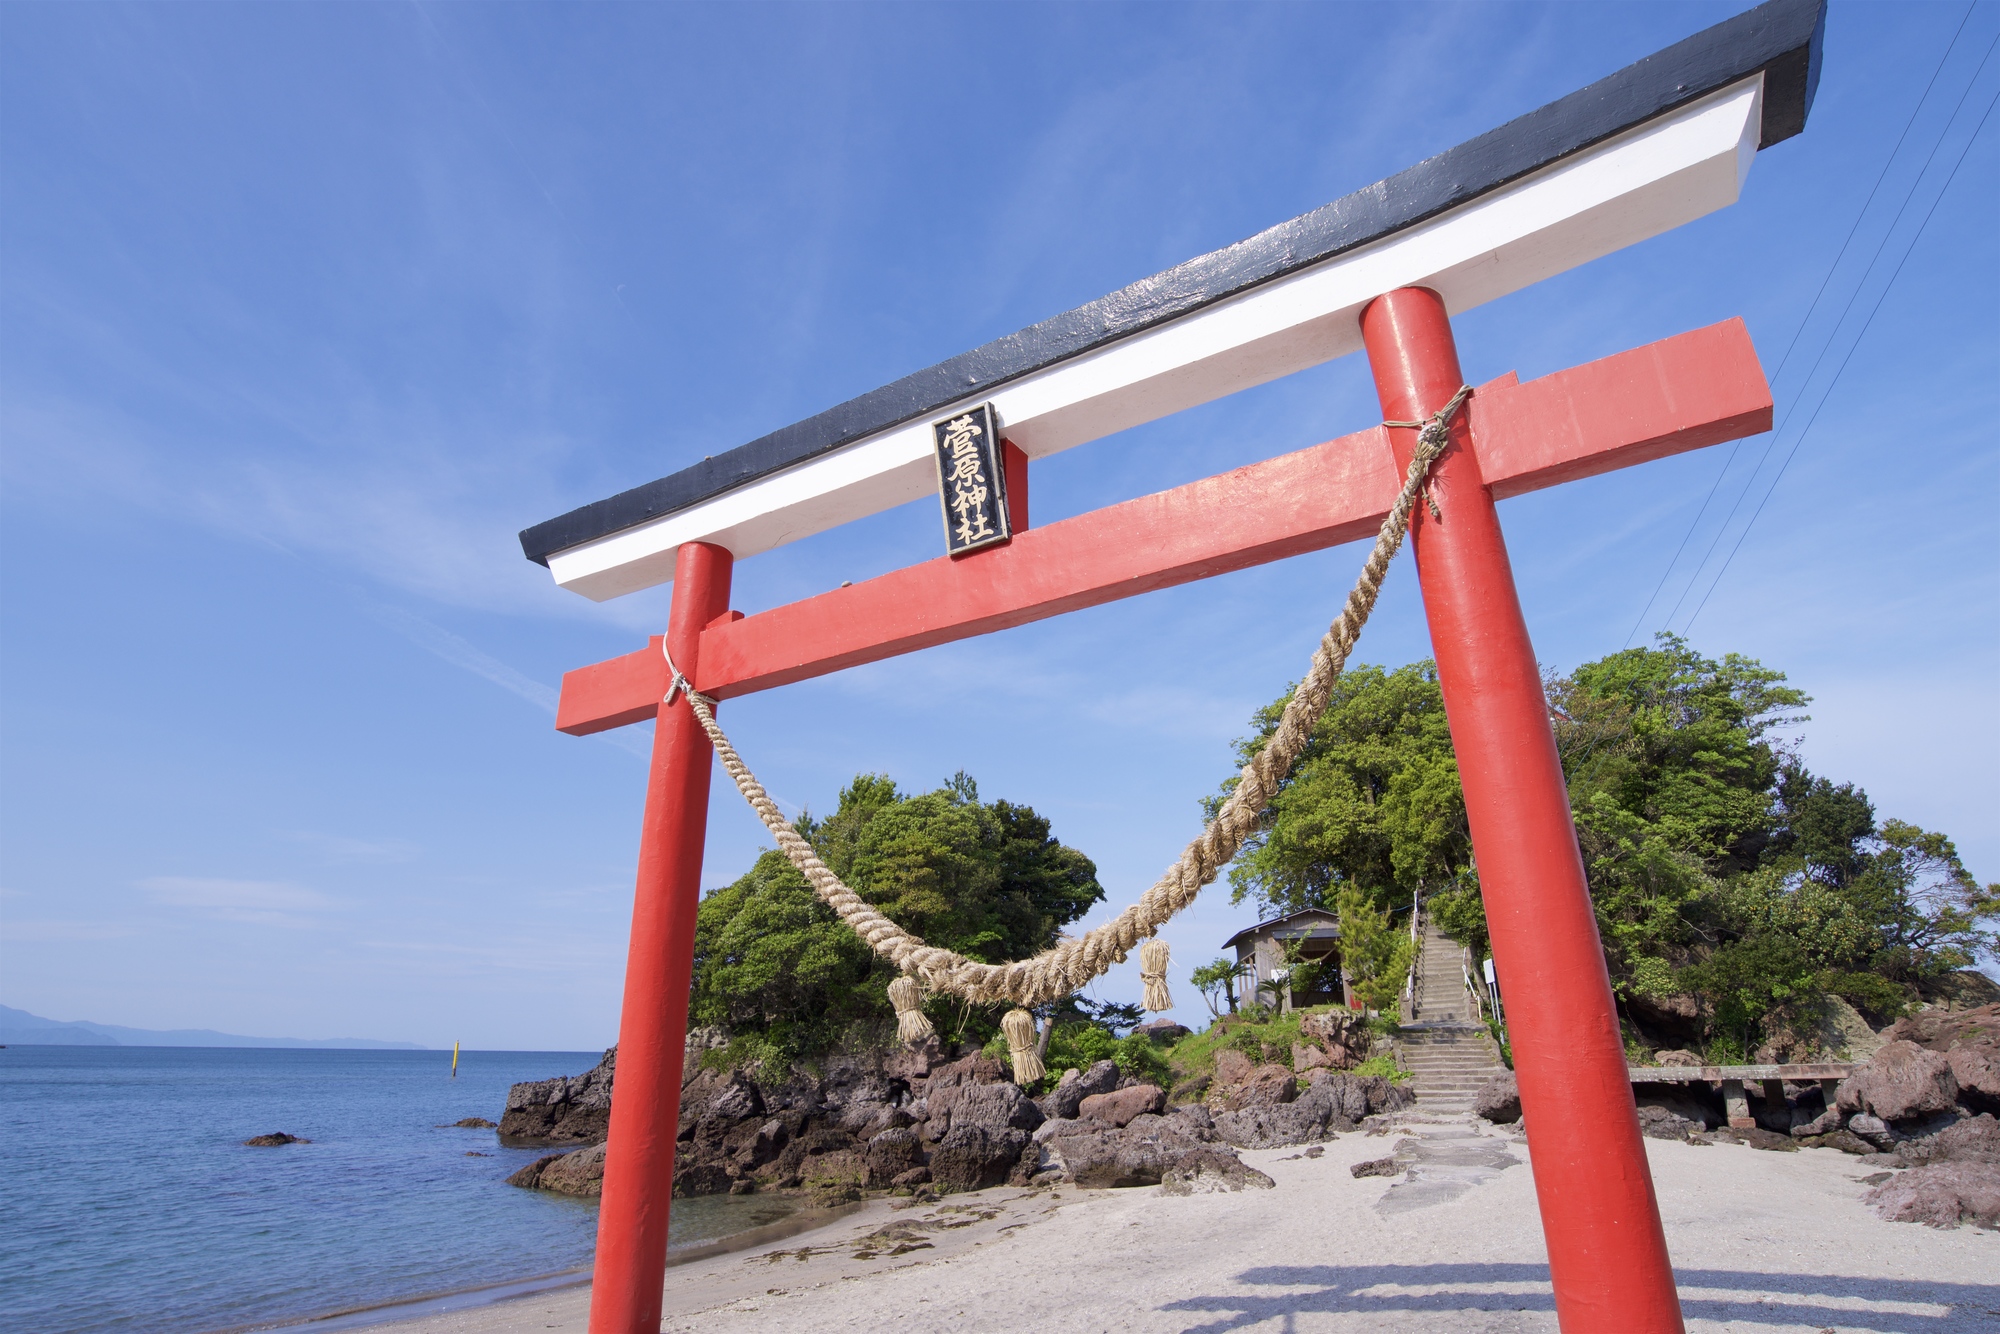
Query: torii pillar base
x=1607, y=1253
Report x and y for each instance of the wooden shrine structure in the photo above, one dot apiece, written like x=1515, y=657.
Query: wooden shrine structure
x=1656, y=145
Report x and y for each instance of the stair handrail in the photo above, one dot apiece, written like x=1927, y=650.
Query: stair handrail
x=1472, y=992
x=1416, y=956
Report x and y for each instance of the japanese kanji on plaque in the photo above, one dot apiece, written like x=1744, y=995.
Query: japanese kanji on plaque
x=972, y=483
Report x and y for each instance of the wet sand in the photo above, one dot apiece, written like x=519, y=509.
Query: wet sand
x=1760, y=1240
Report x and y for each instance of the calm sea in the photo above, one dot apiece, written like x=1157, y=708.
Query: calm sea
x=129, y=1203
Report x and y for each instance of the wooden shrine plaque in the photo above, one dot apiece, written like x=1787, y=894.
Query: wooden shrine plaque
x=972, y=483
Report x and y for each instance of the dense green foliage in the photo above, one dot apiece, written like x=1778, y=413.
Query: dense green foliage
x=782, y=974
x=1266, y=1036
x=1735, y=891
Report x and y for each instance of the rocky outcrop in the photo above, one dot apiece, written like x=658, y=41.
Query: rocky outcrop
x=1973, y=1140
x=1061, y=1102
x=1942, y=1195
x=1334, y=1040
x=275, y=1139
x=565, y=1110
x=1121, y=1106
x=1499, y=1100
x=1944, y=1030
x=1330, y=1103
x=870, y=1120
x=1659, y=1123
x=1179, y=1151
x=1901, y=1082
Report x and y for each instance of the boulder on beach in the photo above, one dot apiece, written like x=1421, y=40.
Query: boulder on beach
x=1901, y=1081
x=1499, y=1099
x=273, y=1140
x=1941, y=1195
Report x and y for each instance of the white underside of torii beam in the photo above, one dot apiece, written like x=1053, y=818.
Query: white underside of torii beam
x=1649, y=180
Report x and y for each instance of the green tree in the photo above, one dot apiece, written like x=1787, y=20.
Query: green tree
x=1217, y=983
x=776, y=967
x=1733, y=888
x=1375, y=953
x=1373, y=804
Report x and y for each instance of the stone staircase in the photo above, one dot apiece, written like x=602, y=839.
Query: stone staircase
x=1445, y=1043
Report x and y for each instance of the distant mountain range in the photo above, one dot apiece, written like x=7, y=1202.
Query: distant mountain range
x=18, y=1028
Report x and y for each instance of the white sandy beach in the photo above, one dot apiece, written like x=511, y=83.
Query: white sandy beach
x=1760, y=1240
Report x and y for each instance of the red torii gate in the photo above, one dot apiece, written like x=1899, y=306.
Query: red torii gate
x=1752, y=77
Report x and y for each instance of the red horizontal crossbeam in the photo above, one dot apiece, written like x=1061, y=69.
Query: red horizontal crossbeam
x=1682, y=393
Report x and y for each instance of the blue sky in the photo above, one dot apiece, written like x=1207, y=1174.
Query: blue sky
x=306, y=309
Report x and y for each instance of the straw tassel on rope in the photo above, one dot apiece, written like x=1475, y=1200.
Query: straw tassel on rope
x=908, y=998
x=1153, y=957
x=1019, y=1026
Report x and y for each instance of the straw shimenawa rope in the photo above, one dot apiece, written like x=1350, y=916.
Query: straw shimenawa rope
x=1072, y=962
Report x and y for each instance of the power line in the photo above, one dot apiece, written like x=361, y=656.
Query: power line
x=1750, y=483
x=1962, y=154
x=1783, y=361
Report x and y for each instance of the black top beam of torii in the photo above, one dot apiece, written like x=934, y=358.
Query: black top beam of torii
x=1780, y=39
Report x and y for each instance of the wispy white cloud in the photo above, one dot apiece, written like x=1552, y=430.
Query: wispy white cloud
x=336, y=847
x=459, y=653
x=254, y=902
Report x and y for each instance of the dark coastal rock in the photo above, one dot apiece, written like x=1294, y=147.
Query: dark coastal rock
x=471, y=1123
x=1061, y=1102
x=579, y=1173
x=1335, y=1040
x=1120, y=1107
x=1232, y=1067
x=834, y=1178
x=1900, y=1082
x=1499, y=1100
x=273, y=1140
x=1099, y=1156
x=1210, y=1172
x=992, y=1107
x=1944, y=1030
x=1376, y=1167
x=1976, y=1070
x=1264, y=1086
x=892, y=1153
x=1974, y=1139
x=1691, y=1102
x=1942, y=1195
x=1845, y=1141
x=1659, y=1123
x=530, y=1177
x=566, y=1109
x=973, y=1157
x=1757, y=1138
x=736, y=1100
x=1330, y=1104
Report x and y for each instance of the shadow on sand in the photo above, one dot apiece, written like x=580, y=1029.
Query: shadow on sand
x=1508, y=1291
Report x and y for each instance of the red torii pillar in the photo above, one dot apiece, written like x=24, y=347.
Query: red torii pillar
x=1599, y=1216
x=1607, y=1254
